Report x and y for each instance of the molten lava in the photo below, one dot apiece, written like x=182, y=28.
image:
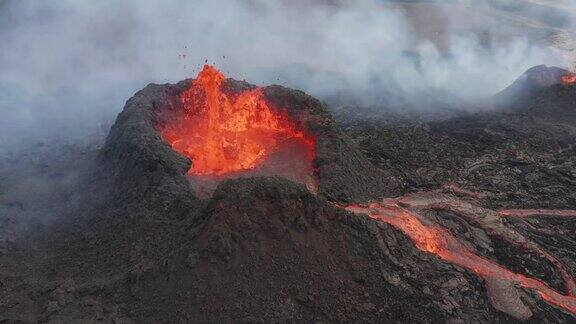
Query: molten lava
x=440, y=242
x=569, y=79
x=228, y=132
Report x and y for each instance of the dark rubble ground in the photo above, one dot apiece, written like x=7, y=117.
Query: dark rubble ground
x=131, y=243
x=521, y=154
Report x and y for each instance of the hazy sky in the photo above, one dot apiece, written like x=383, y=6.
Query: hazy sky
x=67, y=65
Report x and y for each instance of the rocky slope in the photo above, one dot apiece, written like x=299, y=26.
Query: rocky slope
x=131, y=242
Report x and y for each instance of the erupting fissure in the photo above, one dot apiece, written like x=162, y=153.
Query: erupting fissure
x=438, y=241
x=569, y=79
x=228, y=132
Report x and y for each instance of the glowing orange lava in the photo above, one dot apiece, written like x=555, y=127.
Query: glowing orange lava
x=438, y=241
x=569, y=79
x=223, y=132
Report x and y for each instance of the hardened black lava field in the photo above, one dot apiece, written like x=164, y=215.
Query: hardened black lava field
x=402, y=204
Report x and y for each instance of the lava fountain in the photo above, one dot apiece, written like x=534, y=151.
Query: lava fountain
x=227, y=133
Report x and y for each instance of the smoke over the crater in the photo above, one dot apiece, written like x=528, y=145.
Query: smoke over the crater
x=68, y=65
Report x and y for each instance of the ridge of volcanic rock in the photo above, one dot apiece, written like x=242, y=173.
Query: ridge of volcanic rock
x=134, y=147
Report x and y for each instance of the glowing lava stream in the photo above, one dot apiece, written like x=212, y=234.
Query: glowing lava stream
x=224, y=132
x=440, y=242
x=489, y=221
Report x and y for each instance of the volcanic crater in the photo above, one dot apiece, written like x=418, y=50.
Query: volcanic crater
x=213, y=200
x=213, y=129
x=218, y=129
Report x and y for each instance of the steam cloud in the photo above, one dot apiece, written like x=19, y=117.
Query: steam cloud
x=69, y=65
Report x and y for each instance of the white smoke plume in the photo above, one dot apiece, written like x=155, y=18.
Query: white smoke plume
x=68, y=65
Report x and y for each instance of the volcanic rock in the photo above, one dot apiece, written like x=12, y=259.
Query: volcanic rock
x=520, y=155
x=541, y=93
x=134, y=146
x=138, y=245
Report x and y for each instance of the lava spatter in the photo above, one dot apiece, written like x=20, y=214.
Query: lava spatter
x=223, y=133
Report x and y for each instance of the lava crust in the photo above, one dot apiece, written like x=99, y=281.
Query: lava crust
x=468, y=219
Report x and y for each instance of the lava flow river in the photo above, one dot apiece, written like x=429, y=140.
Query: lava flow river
x=440, y=242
